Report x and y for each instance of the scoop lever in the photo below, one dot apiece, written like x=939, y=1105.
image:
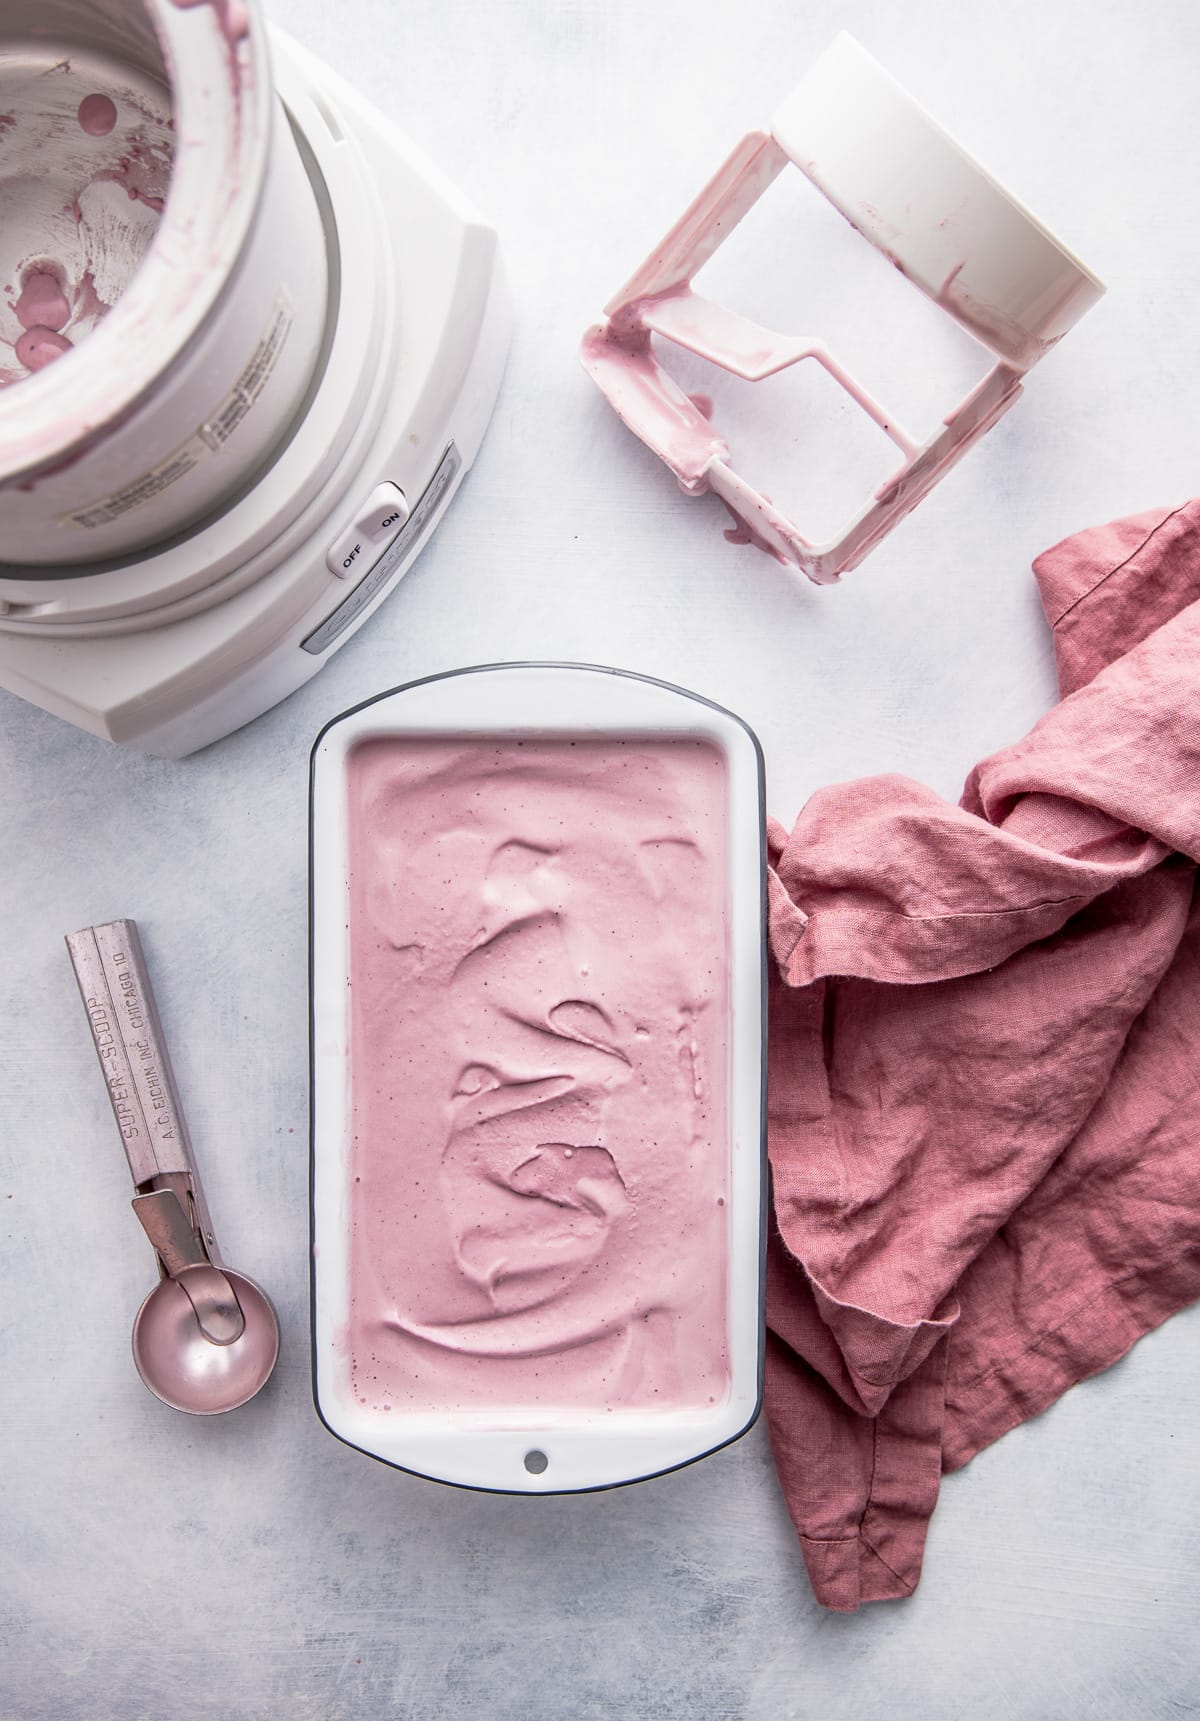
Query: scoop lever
x=181, y=1253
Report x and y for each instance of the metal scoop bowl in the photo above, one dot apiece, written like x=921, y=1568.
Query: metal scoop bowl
x=187, y=1369
x=206, y=1338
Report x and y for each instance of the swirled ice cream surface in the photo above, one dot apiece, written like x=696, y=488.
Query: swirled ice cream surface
x=538, y=1047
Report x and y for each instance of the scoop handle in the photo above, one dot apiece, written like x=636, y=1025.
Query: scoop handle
x=127, y=1034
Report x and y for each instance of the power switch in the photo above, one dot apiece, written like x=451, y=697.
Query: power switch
x=374, y=526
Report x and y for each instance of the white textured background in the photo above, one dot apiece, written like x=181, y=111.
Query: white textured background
x=249, y=1566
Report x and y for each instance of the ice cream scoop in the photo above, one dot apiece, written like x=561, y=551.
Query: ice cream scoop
x=205, y=1339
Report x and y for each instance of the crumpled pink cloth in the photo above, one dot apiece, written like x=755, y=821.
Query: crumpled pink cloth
x=984, y=1088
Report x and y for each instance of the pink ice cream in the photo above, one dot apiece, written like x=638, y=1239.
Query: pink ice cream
x=42, y=303
x=97, y=114
x=538, y=1064
x=42, y=310
x=38, y=347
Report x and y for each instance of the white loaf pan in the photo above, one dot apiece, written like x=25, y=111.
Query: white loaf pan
x=511, y=1441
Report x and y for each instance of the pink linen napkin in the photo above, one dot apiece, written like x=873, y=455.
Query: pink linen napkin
x=984, y=1078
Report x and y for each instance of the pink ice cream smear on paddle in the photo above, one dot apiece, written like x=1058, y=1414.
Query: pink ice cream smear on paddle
x=538, y=1018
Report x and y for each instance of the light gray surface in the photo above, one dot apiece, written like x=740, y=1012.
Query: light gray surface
x=252, y=1567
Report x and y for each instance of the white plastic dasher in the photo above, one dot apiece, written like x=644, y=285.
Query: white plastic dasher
x=944, y=223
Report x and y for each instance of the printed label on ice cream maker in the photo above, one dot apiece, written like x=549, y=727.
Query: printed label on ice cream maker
x=209, y=437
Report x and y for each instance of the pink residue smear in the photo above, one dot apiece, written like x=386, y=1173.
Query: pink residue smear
x=232, y=16
x=75, y=207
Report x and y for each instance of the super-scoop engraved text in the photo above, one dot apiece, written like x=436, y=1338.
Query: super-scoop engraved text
x=538, y=1029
